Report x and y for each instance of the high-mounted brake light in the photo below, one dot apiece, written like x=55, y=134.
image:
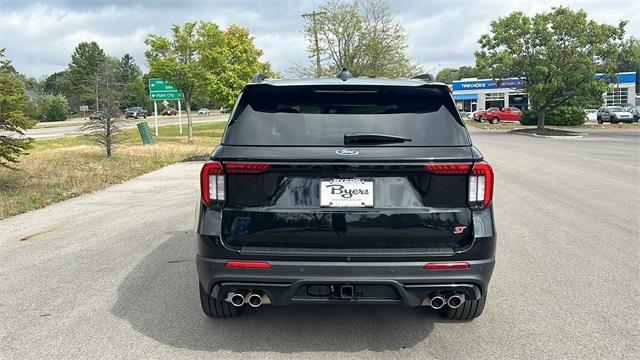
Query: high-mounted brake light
x=446, y=266
x=247, y=265
x=481, y=185
x=211, y=182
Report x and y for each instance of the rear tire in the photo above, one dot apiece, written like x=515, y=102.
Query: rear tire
x=495, y=120
x=470, y=310
x=216, y=308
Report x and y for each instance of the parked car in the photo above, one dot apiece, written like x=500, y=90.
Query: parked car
x=635, y=111
x=224, y=110
x=507, y=114
x=354, y=191
x=97, y=115
x=614, y=115
x=169, y=111
x=203, y=111
x=477, y=116
x=590, y=115
x=135, y=112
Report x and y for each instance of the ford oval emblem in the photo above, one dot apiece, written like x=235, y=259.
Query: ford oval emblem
x=347, y=152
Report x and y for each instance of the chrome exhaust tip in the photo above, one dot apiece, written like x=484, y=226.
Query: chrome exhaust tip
x=437, y=302
x=455, y=300
x=236, y=299
x=254, y=300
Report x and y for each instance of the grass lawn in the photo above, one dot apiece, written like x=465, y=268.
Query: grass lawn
x=61, y=168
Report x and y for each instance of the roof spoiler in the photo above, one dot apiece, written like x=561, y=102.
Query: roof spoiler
x=425, y=77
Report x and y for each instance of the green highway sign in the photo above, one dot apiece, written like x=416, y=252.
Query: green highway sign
x=160, y=89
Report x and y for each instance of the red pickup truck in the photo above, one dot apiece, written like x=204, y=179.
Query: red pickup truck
x=495, y=115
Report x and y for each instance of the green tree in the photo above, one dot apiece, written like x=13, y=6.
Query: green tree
x=473, y=72
x=52, y=107
x=448, y=75
x=187, y=60
x=239, y=63
x=557, y=53
x=83, y=73
x=362, y=36
x=128, y=70
x=629, y=56
x=12, y=117
x=57, y=83
x=110, y=84
x=134, y=94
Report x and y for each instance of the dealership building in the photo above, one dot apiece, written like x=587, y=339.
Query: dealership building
x=480, y=94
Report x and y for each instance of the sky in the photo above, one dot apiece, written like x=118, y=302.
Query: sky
x=39, y=36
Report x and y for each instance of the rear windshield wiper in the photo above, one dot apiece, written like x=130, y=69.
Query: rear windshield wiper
x=372, y=138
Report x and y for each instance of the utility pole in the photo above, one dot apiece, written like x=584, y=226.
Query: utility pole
x=313, y=16
x=97, y=108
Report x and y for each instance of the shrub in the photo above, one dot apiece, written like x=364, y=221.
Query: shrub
x=562, y=116
x=52, y=107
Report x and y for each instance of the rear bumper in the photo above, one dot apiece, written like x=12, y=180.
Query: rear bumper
x=288, y=282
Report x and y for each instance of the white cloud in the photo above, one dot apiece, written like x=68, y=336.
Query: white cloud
x=40, y=38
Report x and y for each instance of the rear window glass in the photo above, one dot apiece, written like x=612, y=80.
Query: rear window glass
x=321, y=116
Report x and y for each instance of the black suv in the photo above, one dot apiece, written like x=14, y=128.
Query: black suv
x=345, y=191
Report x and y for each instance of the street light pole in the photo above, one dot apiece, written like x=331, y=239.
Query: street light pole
x=313, y=16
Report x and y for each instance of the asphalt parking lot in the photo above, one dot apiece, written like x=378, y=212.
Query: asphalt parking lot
x=111, y=274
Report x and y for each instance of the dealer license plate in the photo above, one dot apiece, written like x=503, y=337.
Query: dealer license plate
x=346, y=193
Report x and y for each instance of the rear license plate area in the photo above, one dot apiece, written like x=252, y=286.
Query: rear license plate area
x=346, y=193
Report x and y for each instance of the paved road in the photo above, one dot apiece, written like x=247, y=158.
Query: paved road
x=51, y=132
x=111, y=274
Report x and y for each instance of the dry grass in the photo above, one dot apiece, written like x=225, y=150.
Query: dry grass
x=59, y=169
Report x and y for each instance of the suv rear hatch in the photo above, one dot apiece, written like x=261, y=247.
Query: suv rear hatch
x=350, y=170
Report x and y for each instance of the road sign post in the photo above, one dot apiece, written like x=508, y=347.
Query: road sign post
x=155, y=114
x=180, y=116
x=161, y=90
x=84, y=109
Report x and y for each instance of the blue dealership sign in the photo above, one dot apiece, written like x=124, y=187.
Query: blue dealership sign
x=622, y=78
x=488, y=84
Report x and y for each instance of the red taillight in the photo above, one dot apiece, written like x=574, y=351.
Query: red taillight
x=481, y=185
x=211, y=182
x=448, y=169
x=446, y=266
x=480, y=180
x=212, y=178
x=247, y=265
x=245, y=168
